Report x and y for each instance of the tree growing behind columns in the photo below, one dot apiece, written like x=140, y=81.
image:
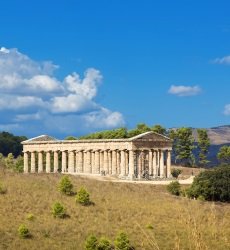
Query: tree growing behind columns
x=183, y=146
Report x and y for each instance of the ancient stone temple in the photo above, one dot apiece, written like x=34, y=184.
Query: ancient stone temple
x=145, y=155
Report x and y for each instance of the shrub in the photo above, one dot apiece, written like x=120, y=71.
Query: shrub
x=122, y=242
x=104, y=244
x=174, y=188
x=176, y=172
x=9, y=161
x=82, y=197
x=91, y=242
x=30, y=217
x=3, y=189
x=18, y=165
x=212, y=185
x=65, y=186
x=23, y=231
x=58, y=210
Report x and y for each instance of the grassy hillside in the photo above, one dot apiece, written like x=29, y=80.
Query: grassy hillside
x=152, y=218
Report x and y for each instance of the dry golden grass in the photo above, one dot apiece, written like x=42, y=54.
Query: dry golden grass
x=177, y=223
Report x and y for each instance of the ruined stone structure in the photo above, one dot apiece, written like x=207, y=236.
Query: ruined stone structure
x=147, y=154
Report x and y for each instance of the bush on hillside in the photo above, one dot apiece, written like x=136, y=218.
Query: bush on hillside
x=23, y=231
x=82, y=197
x=58, y=210
x=19, y=164
x=212, y=185
x=91, y=242
x=176, y=172
x=65, y=185
x=174, y=188
x=122, y=242
x=104, y=244
x=9, y=161
x=3, y=189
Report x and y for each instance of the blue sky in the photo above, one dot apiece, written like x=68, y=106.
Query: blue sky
x=73, y=67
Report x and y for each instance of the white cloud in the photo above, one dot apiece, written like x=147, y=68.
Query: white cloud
x=104, y=118
x=87, y=86
x=223, y=60
x=227, y=109
x=181, y=90
x=32, y=99
x=12, y=102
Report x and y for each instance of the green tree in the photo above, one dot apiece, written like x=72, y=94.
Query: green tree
x=91, y=242
x=104, y=244
x=58, y=210
x=82, y=197
x=122, y=242
x=183, y=146
x=65, y=185
x=212, y=185
x=10, y=161
x=159, y=129
x=70, y=138
x=203, y=146
x=176, y=172
x=224, y=154
x=11, y=144
x=23, y=231
x=174, y=188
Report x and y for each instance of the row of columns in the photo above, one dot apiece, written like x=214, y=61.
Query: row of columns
x=112, y=162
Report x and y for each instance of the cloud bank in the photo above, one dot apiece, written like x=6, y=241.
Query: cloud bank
x=33, y=101
x=181, y=90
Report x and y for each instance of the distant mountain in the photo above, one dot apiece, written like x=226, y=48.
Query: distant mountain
x=217, y=135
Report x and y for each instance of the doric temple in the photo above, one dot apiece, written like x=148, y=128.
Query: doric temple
x=147, y=154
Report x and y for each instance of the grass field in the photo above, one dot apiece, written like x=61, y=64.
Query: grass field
x=152, y=218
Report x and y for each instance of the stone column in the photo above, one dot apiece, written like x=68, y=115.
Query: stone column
x=114, y=162
x=48, y=162
x=88, y=162
x=55, y=161
x=161, y=163
x=79, y=166
x=118, y=162
x=126, y=162
x=71, y=162
x=155, y=164
x=110, y=162
x=101, y=161
x=168, y=174
x=93, y=162
x=139, y=162
x=40, y=162
x=131, y=165
x=32, y=169
x=122, y=163
x=97, y=162
x=63, y=160
x=26, y=162
x=150, y=162
x=106, y=162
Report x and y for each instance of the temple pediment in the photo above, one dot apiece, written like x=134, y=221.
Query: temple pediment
x=41, y=138
x=150, y=136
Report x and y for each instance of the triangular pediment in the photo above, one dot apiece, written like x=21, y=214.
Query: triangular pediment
x=41, y=138
x=150, y=136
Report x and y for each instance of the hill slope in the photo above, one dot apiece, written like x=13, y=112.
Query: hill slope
x=145, y=212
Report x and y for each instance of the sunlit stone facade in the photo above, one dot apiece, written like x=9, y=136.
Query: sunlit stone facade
x=146, y=155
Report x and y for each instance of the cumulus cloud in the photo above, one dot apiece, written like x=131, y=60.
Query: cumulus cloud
x=222, y=60
x=227, y=109
x=38, y=101
x=181, y=90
